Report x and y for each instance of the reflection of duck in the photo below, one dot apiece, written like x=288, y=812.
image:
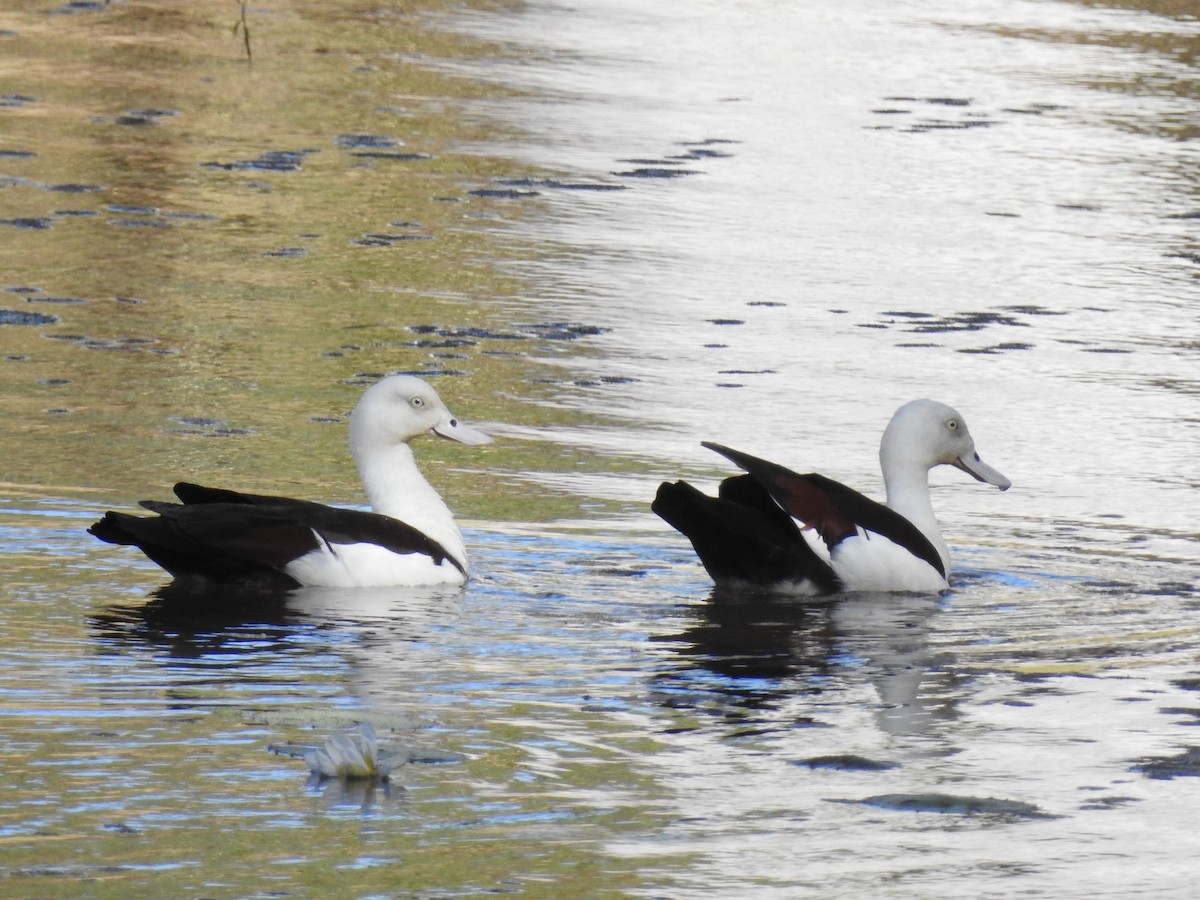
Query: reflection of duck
x=410, y=539
x=749, y=533
x=767, y=650
x=191, y=619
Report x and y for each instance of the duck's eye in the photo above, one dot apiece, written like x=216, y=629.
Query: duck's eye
x=416, y=402
x=454, y=423
x=952, y=424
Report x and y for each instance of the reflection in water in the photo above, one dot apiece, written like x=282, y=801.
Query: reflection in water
x=766, y=649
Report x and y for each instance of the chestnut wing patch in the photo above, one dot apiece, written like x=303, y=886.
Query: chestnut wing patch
x=835, y=511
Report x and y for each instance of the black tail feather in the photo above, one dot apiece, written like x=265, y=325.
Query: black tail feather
x=742, y=536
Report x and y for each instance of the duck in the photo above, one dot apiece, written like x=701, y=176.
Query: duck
x=227, y=537
x=776, y=530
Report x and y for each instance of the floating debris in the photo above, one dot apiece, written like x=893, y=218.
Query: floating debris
x=348, y=756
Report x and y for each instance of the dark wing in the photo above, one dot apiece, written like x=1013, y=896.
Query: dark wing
x=834, y=510
x=228, y=536
x=192, y=494
x=742, y=535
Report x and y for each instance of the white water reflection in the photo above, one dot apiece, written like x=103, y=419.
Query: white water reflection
x=909, y=204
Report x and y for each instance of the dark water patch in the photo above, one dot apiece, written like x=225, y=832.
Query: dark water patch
x=24, y=290
x=142, y=117
x=190, y=216
x=15, y=101
x=432, y=372
x=391, y=155
x=1003, y=215
x=748, y=372
x=18, y=181
x=766, y=303
x=998, y=348
x=846, y=762
x=55, y=300
x=555, y=184
x=1033, y=109
x=699, y=153
x=1078, y=207
x=384, y=239
x=35, y=222
x=1183, y=765
x=404, y=223
x=927, y=125
x=550, y=331
x=287, y=252
x=373, y=141
x=267, y=161
x=649, y=162
x=139, y=223
x=1105, y=350
x=23, y=317
x=727, y=321
x=1188, y=712
x=650, y=172
x=927, y=323
x=954, y=805
x=129, y=209
x=79, y=6
x=203, y=426
x=74, y=188
x=604, y=380
x=75, y=213
x=1028, y=309
x=503, y=193
x=17, y=154
x=448, y=343
x=1187, y=684
x=1184, y=254
x=1100, y=804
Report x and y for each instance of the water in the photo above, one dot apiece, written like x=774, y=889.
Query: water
x=988, y=203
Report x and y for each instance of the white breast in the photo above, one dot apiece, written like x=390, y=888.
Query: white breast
x=871, y=562
x=369, y=565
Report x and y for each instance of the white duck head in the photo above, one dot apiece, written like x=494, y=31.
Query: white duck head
x=923, y=434
x=399, y=408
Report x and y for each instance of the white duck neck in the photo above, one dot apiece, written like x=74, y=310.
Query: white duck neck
x=907, y=486
x=395, y=487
